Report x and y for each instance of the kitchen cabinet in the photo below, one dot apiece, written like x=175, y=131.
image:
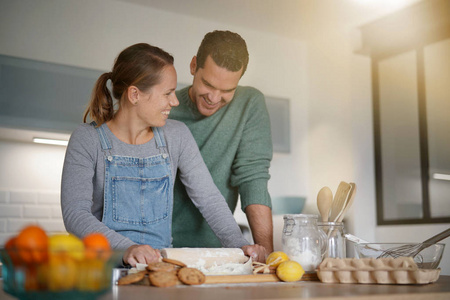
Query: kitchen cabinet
x=42, y=96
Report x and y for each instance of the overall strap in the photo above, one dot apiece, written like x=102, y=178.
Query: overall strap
x=159, y=137
x=106, y=144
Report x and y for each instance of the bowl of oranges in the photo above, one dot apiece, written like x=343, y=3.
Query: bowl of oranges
x=59, y=266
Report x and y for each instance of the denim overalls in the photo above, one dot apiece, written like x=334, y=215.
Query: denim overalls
x=138, y=195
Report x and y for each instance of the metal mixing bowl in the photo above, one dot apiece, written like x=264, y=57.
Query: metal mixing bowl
x=427, y=256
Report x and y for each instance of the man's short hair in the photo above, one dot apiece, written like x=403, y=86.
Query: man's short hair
x=227, y=49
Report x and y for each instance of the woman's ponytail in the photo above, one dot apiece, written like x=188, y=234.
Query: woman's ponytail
x=101, y=106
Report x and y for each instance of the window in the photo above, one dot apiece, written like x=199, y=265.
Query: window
x=410, y=52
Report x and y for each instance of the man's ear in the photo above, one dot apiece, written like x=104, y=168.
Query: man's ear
x=133, y=94
x=193, y=65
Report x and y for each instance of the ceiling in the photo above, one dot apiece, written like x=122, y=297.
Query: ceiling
x=296, y=19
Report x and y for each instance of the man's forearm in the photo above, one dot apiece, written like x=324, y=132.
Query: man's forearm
x=260, y=220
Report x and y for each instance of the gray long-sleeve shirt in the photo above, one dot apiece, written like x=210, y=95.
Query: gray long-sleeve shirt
x=83, y=181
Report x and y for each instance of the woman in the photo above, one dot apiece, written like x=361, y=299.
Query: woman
x=119, y=170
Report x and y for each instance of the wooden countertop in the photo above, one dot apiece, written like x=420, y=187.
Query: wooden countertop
x=281, y=290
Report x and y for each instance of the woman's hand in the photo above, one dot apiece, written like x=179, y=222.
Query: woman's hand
x=143, y=254
x=256, y=252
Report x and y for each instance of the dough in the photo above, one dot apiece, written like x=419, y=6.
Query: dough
x=205, y=257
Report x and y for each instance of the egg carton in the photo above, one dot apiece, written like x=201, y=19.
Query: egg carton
x=402, y=270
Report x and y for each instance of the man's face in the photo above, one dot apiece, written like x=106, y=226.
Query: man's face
x=213, y=87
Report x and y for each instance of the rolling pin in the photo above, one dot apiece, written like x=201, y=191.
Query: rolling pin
x=206, y=257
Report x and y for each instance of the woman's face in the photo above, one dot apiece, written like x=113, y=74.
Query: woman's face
x=154, y=105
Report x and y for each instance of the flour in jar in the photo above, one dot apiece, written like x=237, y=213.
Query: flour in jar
x=307, y=258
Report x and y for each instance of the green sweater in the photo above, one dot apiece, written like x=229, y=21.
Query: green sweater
x=236, y=146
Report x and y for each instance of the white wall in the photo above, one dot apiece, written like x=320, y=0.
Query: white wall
x=340, y=135
x=329, y=88
x=29, y=191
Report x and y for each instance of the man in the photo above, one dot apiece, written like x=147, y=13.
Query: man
x=231, y=126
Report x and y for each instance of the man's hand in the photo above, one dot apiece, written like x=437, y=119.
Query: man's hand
x=256, y=252
x=143, y=254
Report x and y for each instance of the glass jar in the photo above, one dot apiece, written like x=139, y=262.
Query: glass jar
x=335, y=239
x=303, y=241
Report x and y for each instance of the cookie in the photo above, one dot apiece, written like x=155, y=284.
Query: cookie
x=191, y=276
x=144, y=281
x=163, y=278
x=174, y=262
x=131, y=278
x=161, y=266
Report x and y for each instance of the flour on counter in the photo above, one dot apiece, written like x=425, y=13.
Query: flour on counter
x=224, y=269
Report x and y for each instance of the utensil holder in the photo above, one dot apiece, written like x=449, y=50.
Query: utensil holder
x=335, y=239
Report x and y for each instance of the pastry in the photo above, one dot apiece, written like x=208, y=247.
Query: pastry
x=191, y=276
x=131, y=278
x=174, y=262
x=163, y=278
x=161, y=266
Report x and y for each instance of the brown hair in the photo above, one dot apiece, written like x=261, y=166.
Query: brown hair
x=227, y=49
x=139, y=65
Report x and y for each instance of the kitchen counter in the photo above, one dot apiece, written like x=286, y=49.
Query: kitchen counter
x=281, y=290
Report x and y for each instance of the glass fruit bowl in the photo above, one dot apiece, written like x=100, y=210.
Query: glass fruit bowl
x=426, y=256
x=34, y=274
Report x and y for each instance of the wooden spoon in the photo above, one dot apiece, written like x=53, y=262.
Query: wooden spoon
x=340, y=199
x=349, y=203
x=324, y=200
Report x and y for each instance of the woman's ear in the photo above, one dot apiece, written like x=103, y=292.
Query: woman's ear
x=133, y=94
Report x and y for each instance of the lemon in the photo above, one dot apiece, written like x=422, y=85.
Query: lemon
x=61, y=273
x=66, y=244
x=276, y=258
x=290, y=271
x=92, y=275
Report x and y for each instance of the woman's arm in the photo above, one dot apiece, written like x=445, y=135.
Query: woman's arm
x=77, y=193
x=77, y=188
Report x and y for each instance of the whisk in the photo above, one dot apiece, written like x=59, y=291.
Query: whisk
x=413, y=250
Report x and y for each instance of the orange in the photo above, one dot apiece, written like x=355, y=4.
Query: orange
x=10, y=247
x=97, y=246
x=31, y=277
x=32, y=245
